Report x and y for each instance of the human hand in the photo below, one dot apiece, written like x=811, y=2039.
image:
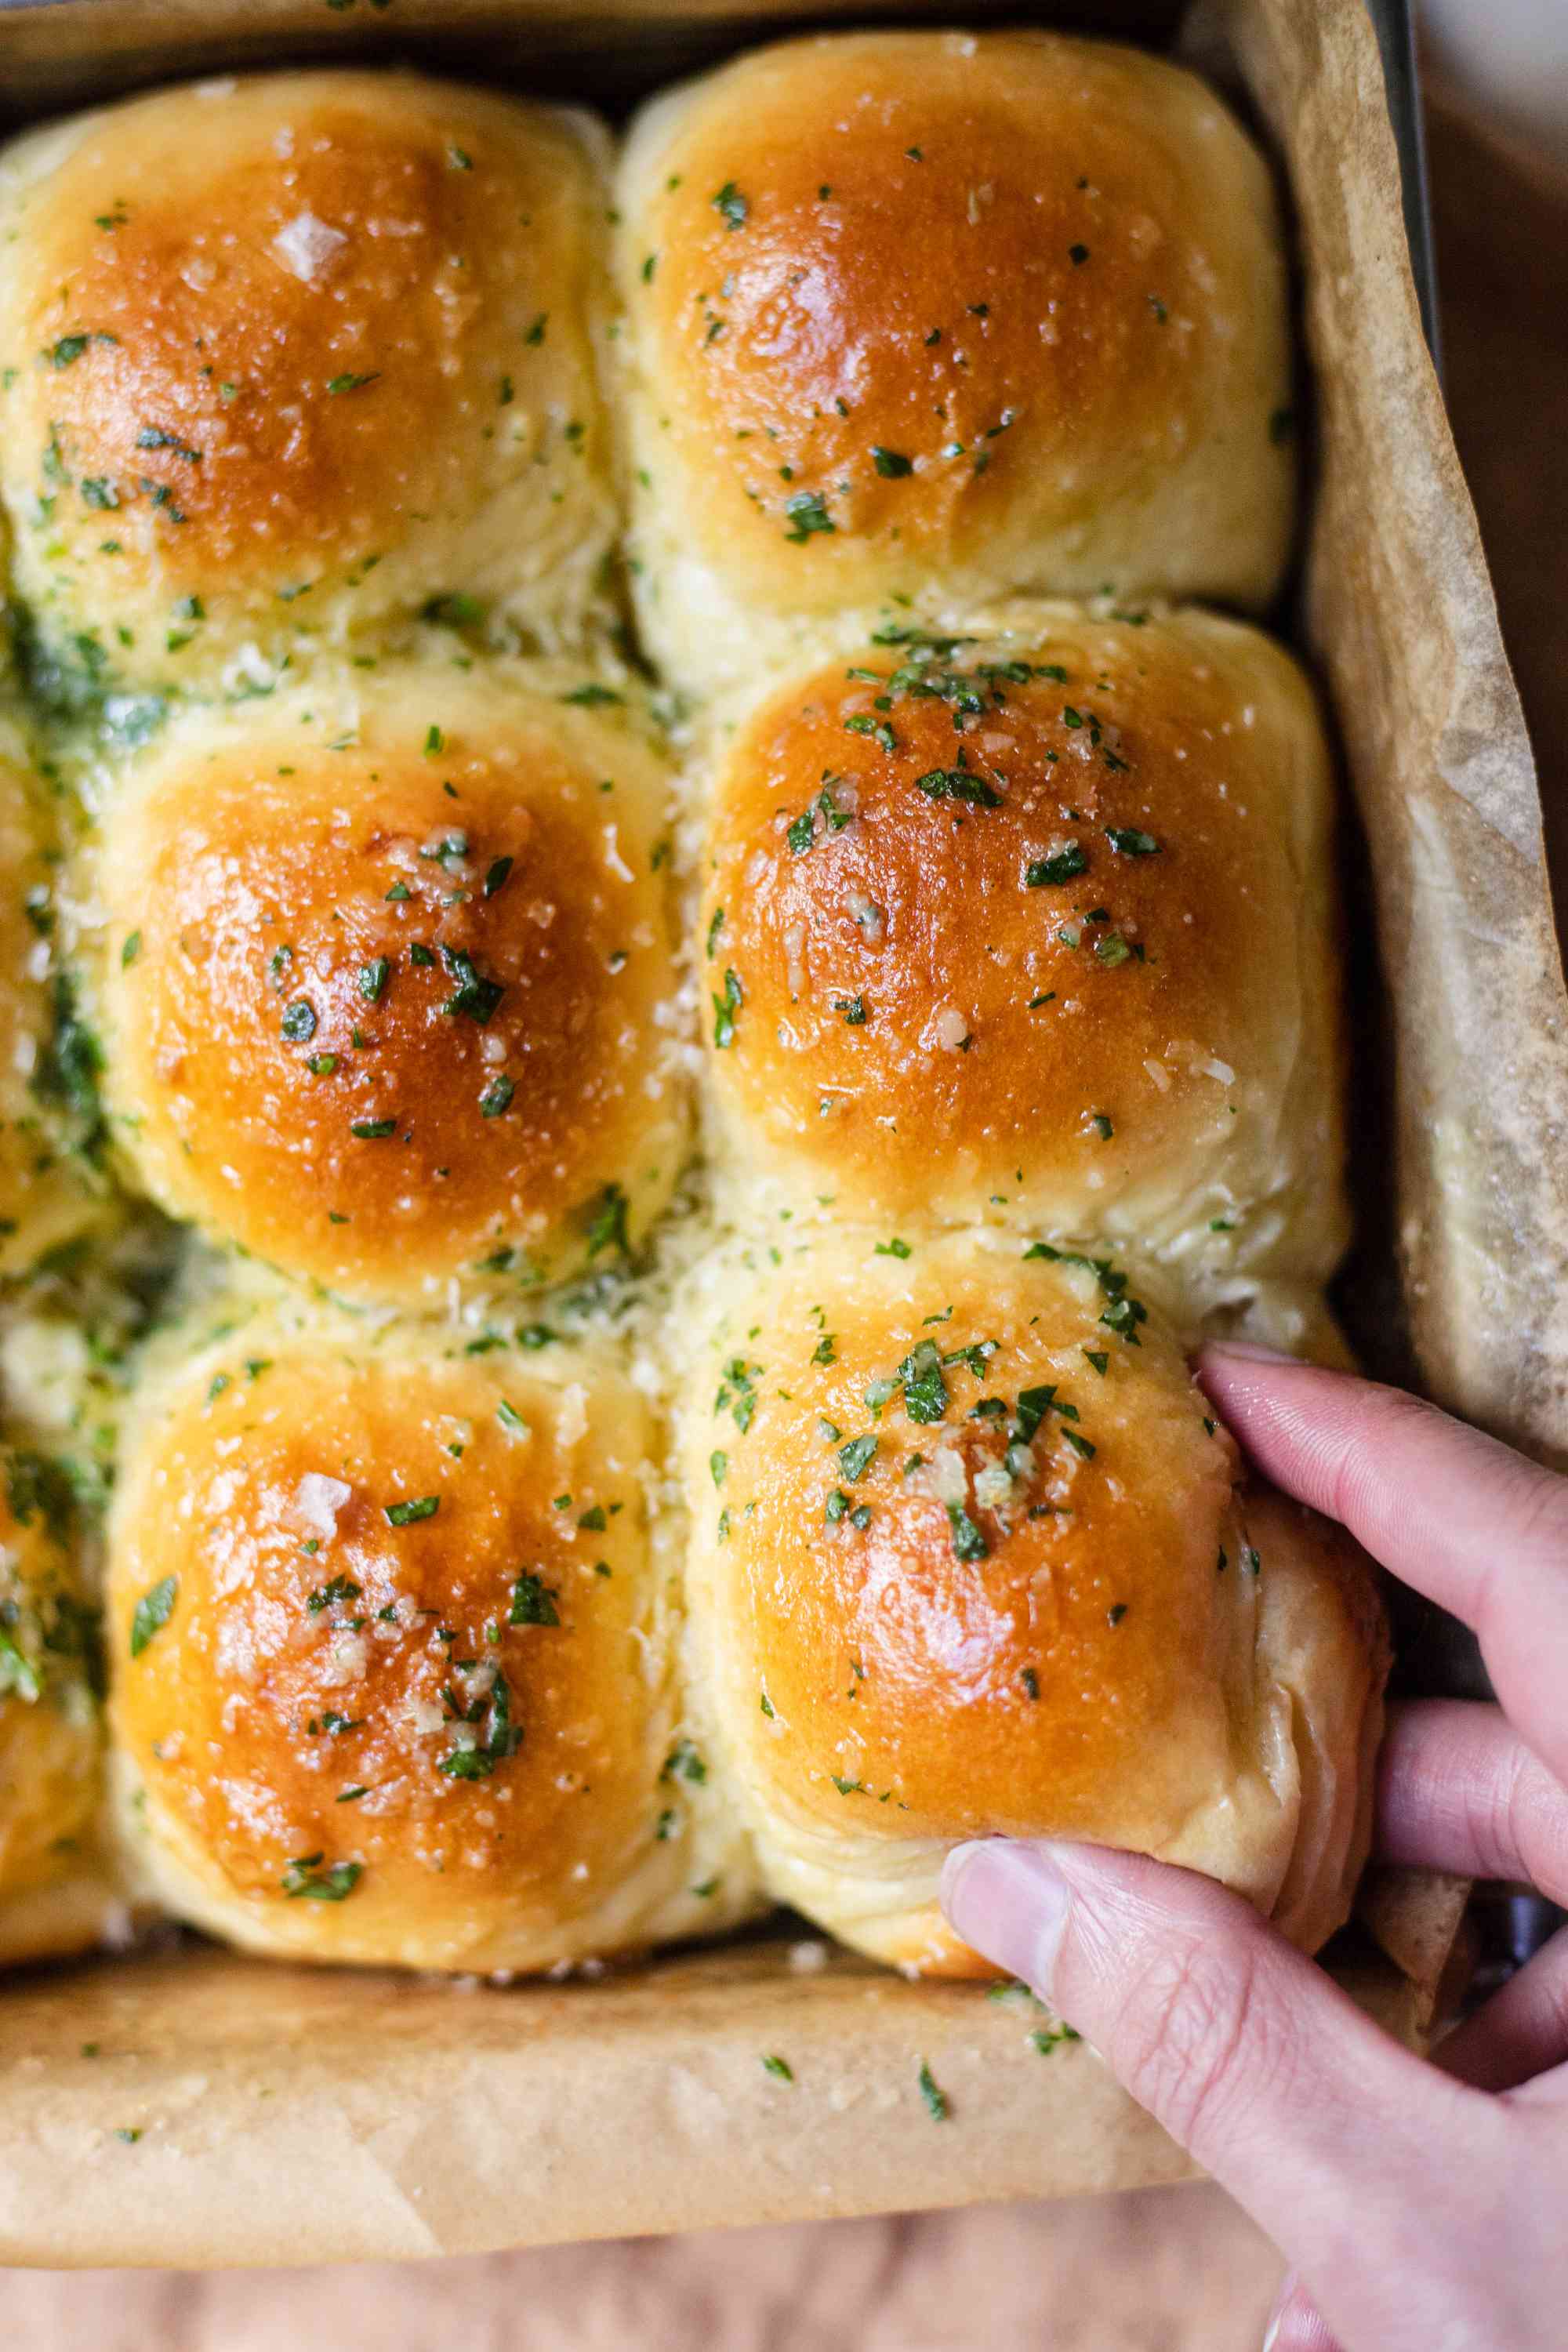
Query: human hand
x=1424, y=2206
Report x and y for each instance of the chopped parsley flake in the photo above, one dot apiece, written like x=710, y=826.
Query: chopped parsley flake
x=925, y=1390
x=474, y=998
x=476, y=1758
x=342, y=1588
x=606, y=1230
x=738, y=1392
x=152, y=1612
x=304, y=1877
x=808, y=512
x=1047, y=2038
x=725, y=1008
x=684, y=1763
x=958, y=784
x=1045, y=872
x=1125, y=1313
x=404, y=1515
x=968, y=1542
x=532, y=1601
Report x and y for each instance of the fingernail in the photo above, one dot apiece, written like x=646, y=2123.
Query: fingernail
x=1281, y=2307
x=1249, y=1351
x=1011, y=1902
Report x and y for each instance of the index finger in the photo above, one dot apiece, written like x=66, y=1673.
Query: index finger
x=1462, y=1518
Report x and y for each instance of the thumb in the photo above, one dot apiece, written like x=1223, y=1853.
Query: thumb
x=1296, y=2324
x=1368, y=2167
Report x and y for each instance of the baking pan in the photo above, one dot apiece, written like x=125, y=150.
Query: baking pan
x=182, y=2106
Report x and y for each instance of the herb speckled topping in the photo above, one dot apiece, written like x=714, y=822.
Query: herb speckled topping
x=393, y=1015
x=945, y=316
x=273, y=362
x=413, y=1611
x=980, y=1563
x=1031, y=923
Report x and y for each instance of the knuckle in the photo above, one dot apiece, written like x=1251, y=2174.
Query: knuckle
x=1193, y=2039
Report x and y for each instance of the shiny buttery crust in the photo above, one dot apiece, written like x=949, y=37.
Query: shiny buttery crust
x=495, y=1673
x=969, y=1556
x=1032, y=926
x=295, y=355
x=939, y=317
x=387, y=982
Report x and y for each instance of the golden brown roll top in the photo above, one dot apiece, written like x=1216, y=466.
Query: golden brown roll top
x=296, y=355
x=970, y=1557
x=393, y=1657
x=387, y=982
x=49, y=1119
x=52, y=1894
x=1033, y=925
x=938, y=317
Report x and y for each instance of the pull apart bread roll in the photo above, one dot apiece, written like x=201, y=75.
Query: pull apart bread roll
x=1032, y=925
x=940, y=316
x=392, y=1651
x=53, y=1895
x=48, y=1188
x=294, y=356
x=971, y=1555
x=387, y=981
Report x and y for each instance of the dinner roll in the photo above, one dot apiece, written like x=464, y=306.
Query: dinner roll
x=49, y=1114
x=1033, y=925
x=295, y=355
x=387, y=982
x=51, y=1897
x=938, y=317
x=392, y=1657
x=970, y=1557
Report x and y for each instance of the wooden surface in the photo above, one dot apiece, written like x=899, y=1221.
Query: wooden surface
x=1160, y=2271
